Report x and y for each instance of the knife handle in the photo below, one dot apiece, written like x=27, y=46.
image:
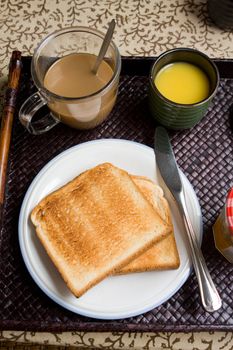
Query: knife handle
x=209, y=295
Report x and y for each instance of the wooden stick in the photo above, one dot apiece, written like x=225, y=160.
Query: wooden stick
x=7, y=121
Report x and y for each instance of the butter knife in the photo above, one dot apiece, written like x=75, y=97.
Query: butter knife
x=168, y=168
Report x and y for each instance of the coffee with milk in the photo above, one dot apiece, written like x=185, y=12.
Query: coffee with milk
x=71, y=77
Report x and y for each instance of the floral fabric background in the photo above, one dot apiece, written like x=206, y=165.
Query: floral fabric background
x=144, y=28
x=119, y=340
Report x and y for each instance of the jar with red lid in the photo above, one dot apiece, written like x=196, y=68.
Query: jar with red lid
x=223, y=228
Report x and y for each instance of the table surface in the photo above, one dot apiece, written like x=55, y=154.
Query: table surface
x=144, y=28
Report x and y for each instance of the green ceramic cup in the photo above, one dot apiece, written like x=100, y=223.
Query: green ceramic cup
x=176, y=115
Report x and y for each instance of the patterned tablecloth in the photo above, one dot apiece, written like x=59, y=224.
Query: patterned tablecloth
x=144, y=28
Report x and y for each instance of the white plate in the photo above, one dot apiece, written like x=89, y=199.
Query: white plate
x=119, y=296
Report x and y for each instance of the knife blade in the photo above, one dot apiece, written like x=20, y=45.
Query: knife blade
x=169, y=171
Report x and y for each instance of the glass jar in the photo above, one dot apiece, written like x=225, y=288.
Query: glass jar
x=223, y=228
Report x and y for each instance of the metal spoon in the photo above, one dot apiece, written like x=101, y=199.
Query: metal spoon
x=105, y=45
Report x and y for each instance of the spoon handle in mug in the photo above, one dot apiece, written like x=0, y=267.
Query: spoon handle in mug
x=105, y=45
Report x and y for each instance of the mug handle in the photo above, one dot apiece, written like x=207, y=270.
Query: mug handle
x=29, y=109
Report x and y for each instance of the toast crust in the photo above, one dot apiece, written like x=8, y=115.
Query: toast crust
x=95, y=225
x=164, y=254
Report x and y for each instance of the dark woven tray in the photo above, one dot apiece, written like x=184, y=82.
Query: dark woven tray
x=204, y=153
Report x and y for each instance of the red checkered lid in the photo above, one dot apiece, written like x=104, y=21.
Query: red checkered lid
x=229, y=210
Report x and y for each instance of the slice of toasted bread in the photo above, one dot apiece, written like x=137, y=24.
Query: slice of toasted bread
x=96, y=224
x=164, y=254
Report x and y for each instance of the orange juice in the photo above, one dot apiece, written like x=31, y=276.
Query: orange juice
x=182, y=82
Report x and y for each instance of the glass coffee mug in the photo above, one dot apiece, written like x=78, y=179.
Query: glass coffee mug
x=83, y=112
